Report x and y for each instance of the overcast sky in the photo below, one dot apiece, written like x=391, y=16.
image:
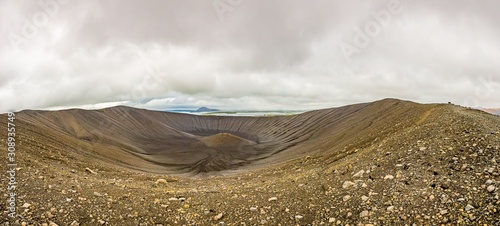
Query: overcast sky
x=247, y=54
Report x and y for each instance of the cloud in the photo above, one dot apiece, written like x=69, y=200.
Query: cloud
x=263, y=54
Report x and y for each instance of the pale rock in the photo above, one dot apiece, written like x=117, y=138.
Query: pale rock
x=161, y=181
x=347, y=184
x=359, y=174
x=90, y=171
x=218, y=217
x=272, y=199
x=389, y=177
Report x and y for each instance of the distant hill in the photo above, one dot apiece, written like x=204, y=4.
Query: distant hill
x=205, y=109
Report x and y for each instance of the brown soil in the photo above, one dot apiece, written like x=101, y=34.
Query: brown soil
x=389, y=162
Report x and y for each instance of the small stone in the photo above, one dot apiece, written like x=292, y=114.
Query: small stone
x=491, y=188
x=299, y=217
x=102, y=222
x=389, y=177
x=390, y=209
x=488, y=182
x=469, y=207
x=332, y=220
x=431, y=197
x=443, y=212
x=161, y=181
x=346, y=198
x=74, y=223
x=369, y=225
x=171, y=180
x=253, y=209
x=364, y=214
x=359, y=174
x=90, y=171
x=173, y=199
x=347, y=184
x=26, y=205
x=24, y=223
x=461, y=200
x=423, y=148
x=52, y=223
x=364, y=198
x=272, y=199
x=97, y=194
x=445, y=185
x=218, y=217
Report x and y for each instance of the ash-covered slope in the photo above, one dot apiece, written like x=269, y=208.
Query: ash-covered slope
x=389, y=162
x=182, y=143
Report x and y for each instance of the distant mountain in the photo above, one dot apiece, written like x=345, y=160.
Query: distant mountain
x=495, y=111
x=205, y=109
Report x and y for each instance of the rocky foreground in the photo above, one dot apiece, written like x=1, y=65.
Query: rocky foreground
x=438, y=167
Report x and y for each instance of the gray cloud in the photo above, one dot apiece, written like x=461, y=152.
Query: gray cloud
x=264, y=54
